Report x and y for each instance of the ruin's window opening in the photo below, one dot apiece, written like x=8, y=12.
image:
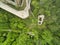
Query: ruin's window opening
x=39, y=23
x=40, y=19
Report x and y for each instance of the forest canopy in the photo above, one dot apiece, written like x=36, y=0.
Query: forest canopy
x=16, y=31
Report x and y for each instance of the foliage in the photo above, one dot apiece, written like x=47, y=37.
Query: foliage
x=16, y=31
